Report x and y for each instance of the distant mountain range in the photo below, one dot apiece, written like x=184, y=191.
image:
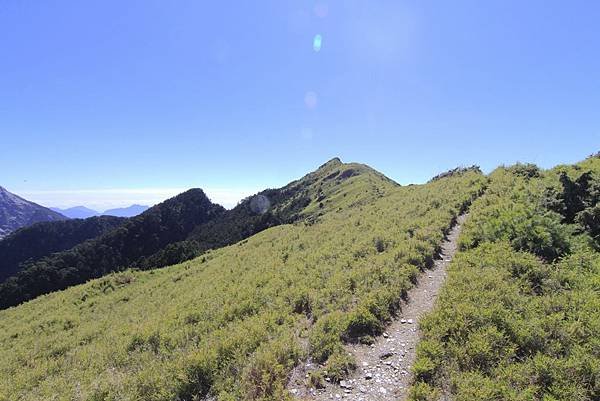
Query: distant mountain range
x=82, y=212
x=77, y=212
x=16, y=212
x=129, y=211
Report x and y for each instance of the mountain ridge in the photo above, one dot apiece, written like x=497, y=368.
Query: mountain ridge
x=76, y=212
x=83, y=212
x=17, y=212
x=163, y=240
x=128, y=211
x=233, y=322
x=31, y=243
x=115, y=250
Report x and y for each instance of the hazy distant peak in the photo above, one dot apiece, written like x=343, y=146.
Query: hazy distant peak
x=76, y=212
x=129, y=211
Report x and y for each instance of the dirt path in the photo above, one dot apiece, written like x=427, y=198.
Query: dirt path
x=383, y=372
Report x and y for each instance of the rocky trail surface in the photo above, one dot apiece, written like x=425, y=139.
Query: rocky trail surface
x=383, y=368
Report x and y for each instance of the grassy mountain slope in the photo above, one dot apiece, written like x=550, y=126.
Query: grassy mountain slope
x=519, y=316
x=168, y=222
x=45, y=238
x=167, y=236
x=306, y=198
x=233, y=322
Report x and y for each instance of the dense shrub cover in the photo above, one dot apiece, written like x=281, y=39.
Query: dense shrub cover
x=233, y=322
x=42, y=239
x=519, y=316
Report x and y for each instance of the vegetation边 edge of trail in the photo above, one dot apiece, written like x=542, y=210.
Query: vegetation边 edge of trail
x=383, y=368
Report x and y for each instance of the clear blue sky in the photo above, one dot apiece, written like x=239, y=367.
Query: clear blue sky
x=233, y=96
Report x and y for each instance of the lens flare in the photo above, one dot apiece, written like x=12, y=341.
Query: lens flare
x=310, y=100
x=260, y=204
x=317, y=43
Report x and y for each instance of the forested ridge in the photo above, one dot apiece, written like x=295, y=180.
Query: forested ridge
x=168, y=222
x=42, y=239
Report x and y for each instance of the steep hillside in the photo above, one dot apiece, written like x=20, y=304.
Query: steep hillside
x=233, y=322
x=519, y=317
x=42, y=239
x=306, y=198
x=16, y=212
x=170, y=221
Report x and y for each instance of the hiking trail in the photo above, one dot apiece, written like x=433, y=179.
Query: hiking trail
x=383, y=370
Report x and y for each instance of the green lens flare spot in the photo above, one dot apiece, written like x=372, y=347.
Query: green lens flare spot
x=317, y=43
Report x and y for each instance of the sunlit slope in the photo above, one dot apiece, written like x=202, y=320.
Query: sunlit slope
x=304, y=199
x=180, y=229
x=234, y=321
x=519, y=315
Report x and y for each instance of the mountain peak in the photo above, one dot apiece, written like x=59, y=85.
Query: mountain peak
x=16, y=212
x=336, y=161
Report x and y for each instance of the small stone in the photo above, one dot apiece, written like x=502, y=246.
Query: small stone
x=386, y=335
x=409, y=321
x=368, y=376
x=382, y=390
x=402, y=320
x=386, y=355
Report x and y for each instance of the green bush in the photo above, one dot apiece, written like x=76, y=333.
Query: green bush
x=517, y=318
x=339, y=365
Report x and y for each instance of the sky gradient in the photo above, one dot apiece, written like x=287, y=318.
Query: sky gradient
x=106, y=103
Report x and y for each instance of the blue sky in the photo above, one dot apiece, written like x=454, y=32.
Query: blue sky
x=113, y=102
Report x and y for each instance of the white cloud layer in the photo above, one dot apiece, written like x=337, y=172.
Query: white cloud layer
x=102, y=199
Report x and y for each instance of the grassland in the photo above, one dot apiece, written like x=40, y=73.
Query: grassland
x=519, y=316
x=233, y=322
